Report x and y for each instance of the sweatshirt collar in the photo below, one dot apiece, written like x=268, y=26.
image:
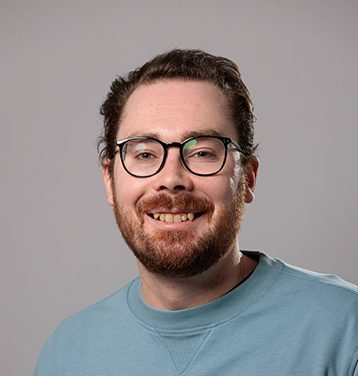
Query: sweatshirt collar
x=213, y=313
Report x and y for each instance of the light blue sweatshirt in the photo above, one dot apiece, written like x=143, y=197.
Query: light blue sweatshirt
x=281, y=321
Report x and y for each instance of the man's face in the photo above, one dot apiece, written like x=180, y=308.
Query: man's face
x=175, y=244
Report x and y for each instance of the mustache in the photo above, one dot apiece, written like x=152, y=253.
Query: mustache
x=181, y=201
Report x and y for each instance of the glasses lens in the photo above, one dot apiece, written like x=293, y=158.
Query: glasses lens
x=204, y=155
x=142, y=157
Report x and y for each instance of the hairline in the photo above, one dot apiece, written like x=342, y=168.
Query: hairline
x=149, y=81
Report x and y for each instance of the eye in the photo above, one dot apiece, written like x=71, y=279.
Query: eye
x=140, y=151
x=204, y=154
x=145, y=155
x=204, y=149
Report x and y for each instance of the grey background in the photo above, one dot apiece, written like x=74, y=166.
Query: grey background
x=60, y=249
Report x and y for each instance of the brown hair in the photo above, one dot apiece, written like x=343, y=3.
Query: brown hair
x=187, y=65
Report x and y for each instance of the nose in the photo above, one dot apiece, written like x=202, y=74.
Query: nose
x=174, y=176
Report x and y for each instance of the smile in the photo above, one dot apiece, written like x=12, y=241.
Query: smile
x=174, y=217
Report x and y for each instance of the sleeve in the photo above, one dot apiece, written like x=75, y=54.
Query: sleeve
x=45, y=363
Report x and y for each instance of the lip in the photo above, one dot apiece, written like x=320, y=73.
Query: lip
x=175, y=211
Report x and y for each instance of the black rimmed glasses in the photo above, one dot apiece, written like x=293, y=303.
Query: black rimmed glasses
x=143, y=157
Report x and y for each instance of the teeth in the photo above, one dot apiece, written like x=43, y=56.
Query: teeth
x=169, y=218
x=176, y=218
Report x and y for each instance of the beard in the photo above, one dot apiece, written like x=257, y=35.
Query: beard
x=181, y=253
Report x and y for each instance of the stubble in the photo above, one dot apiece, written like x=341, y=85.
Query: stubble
x=182, y=253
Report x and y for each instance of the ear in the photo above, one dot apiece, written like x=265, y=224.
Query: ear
x=107, y=179
x=251, y=169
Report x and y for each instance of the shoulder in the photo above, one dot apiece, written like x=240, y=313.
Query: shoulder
x=316, y=313
x=82, y=334
x=315, y=291
x=95, y=318
x=325, y=282
x=296, y=285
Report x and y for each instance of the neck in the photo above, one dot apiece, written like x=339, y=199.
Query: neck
x=169, y=293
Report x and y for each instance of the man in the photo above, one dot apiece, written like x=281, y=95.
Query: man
x=179, y=164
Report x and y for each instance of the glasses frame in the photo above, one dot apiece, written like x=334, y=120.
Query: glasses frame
x=225, y=140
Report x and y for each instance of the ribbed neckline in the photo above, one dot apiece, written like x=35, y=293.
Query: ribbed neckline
x=210, y=314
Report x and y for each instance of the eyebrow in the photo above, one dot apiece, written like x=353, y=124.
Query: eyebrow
x=203, y=132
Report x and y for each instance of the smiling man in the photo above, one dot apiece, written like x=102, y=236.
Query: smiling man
x=179, y=165
x=184, y=190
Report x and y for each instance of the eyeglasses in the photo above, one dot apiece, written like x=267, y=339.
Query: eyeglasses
x=143, y=157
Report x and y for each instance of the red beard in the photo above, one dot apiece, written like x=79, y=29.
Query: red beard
x=181, y=253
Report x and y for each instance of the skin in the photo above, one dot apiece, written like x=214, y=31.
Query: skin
x=171, y=110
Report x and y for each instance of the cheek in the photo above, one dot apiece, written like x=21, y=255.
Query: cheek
x=235, y=179
x=221, y=190
x=128, y=192
x=234, y=174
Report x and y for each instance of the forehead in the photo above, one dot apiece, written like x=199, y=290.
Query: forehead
x=170, y=109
